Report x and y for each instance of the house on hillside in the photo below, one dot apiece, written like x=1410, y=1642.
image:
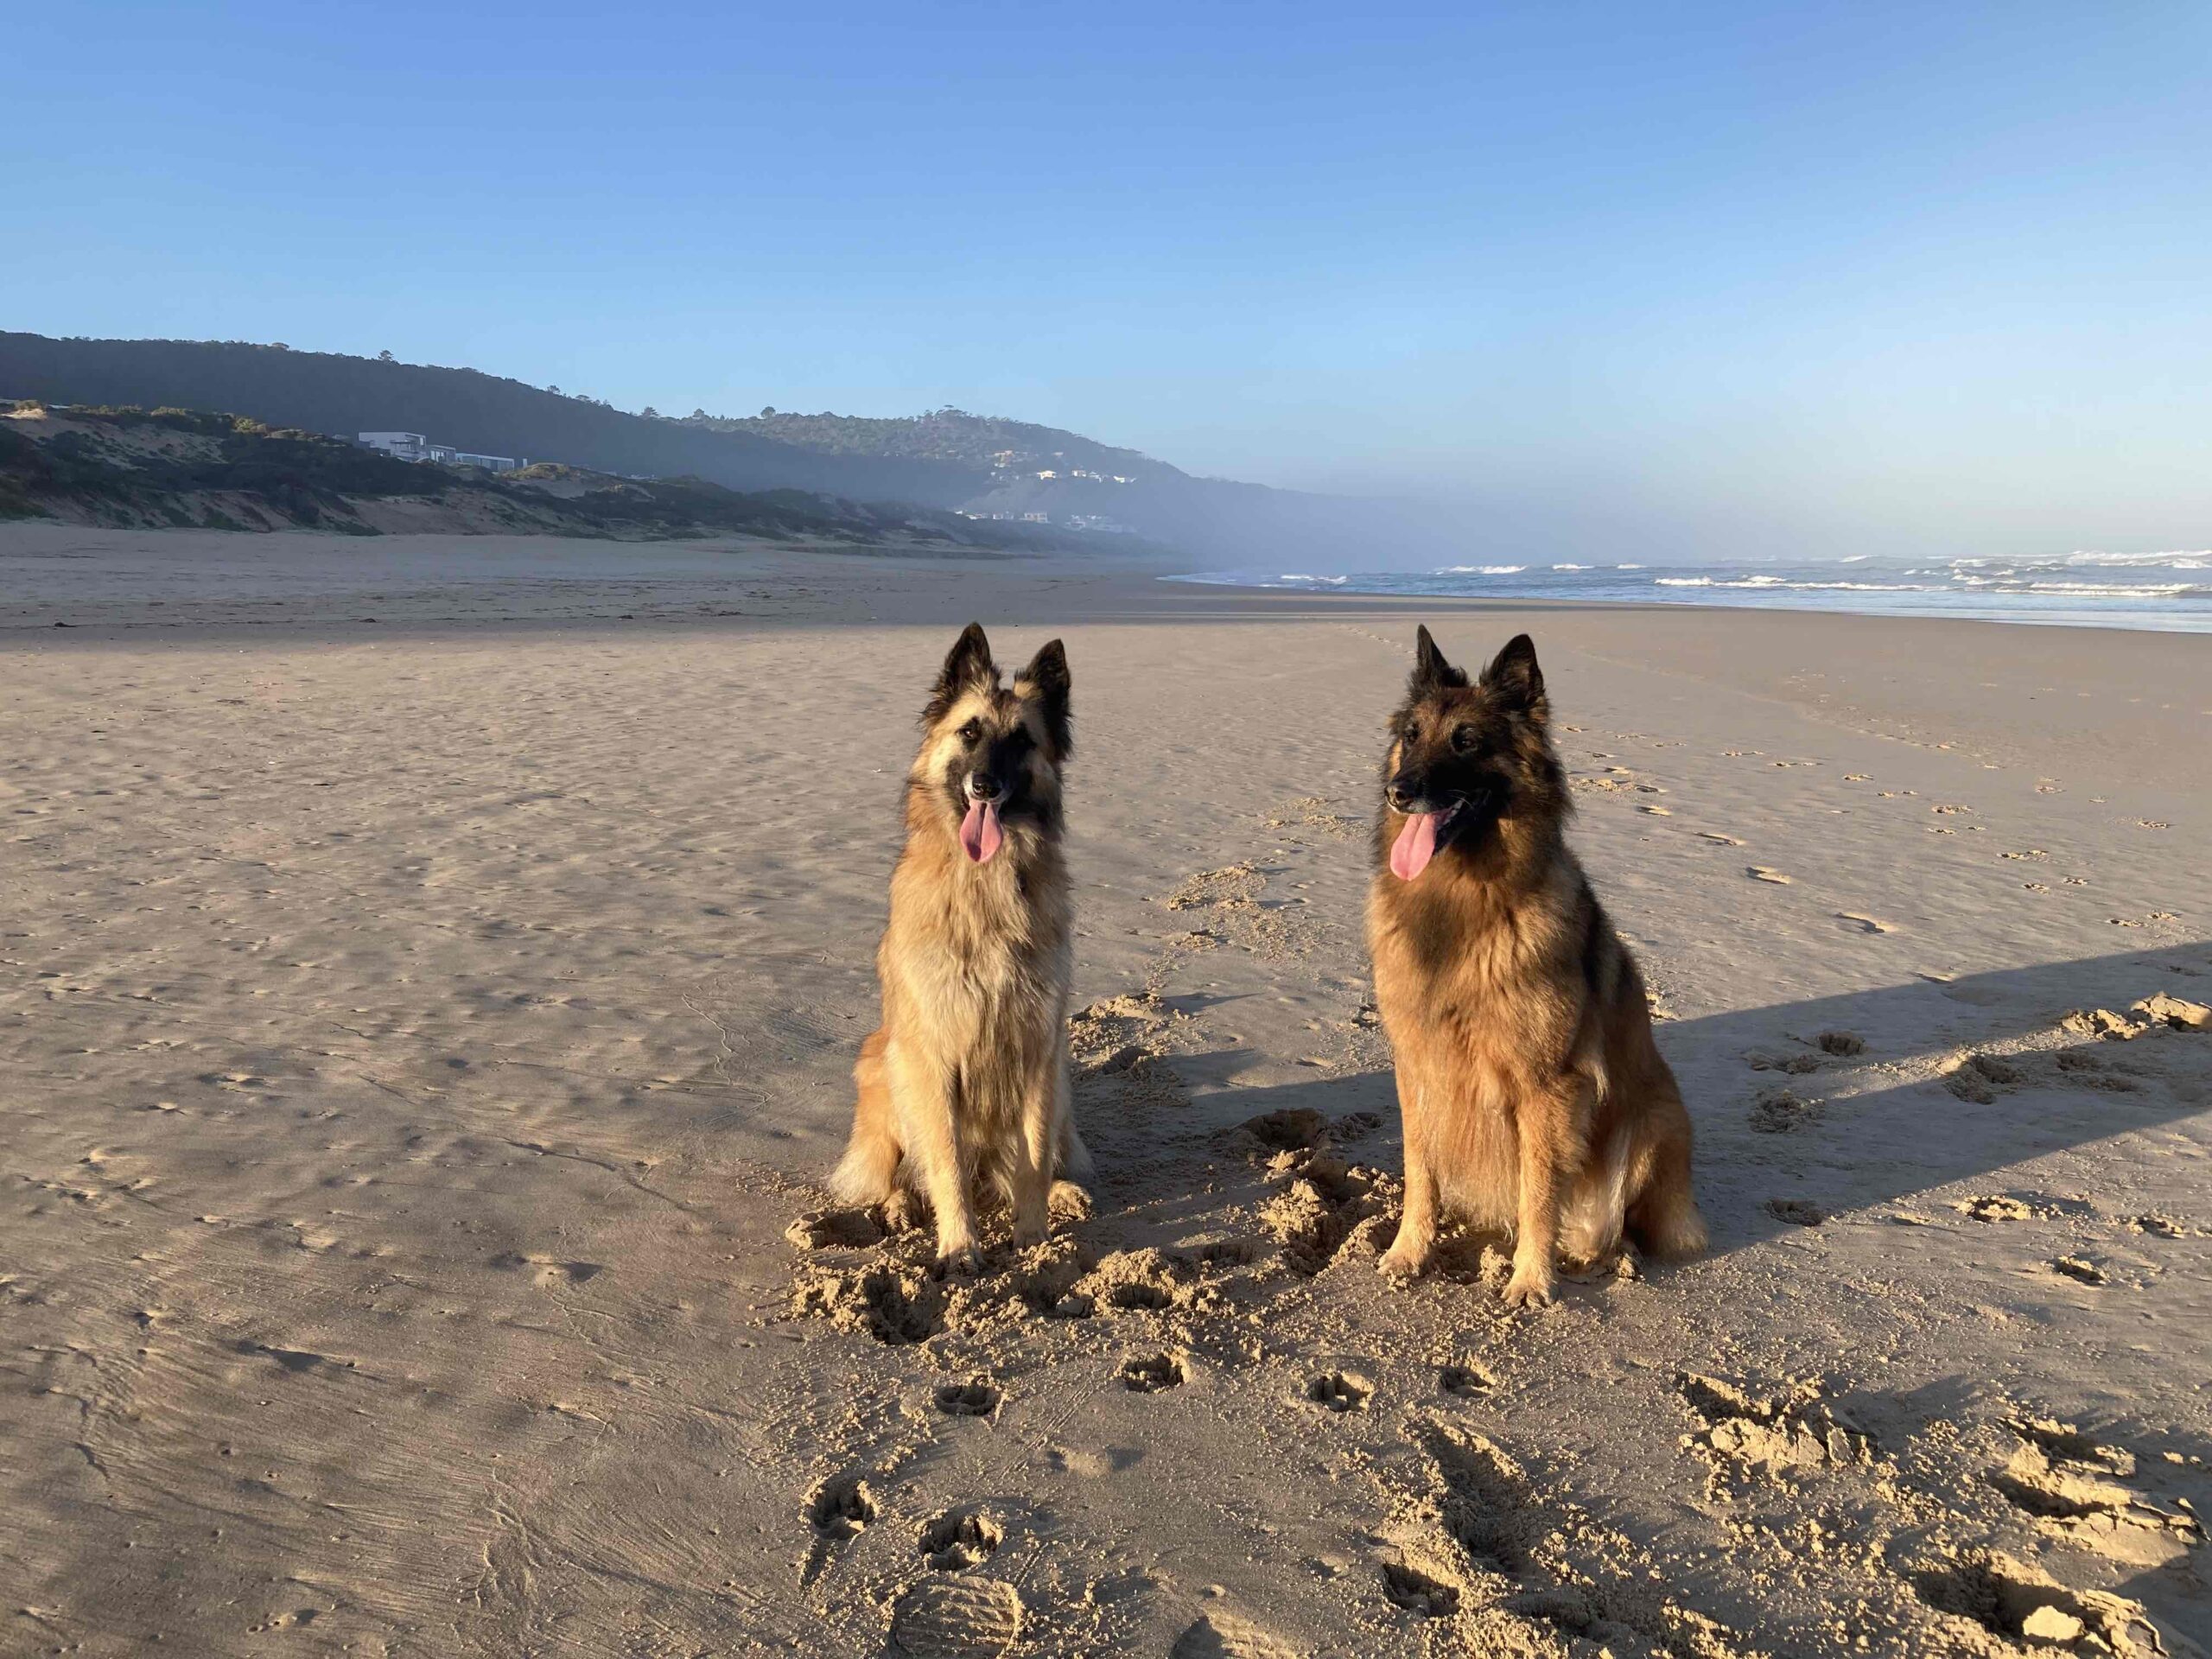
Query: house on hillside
x=413, y=446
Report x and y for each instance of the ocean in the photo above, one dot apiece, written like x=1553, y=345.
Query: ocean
x=2168, y=592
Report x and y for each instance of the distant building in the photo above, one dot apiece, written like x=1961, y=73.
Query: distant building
x=1037, y=518
x=1099, y=521
x=413, y=446
x=1048, y=472
x=400, y=446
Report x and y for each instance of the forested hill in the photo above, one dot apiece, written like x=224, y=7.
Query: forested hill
x=946, y=460
x=983, y=443
x=323, y=392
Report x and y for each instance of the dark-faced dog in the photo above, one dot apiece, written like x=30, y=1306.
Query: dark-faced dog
x=1533, y=1095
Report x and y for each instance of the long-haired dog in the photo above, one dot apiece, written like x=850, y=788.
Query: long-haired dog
x=964, y=1088
x=1533, y=1095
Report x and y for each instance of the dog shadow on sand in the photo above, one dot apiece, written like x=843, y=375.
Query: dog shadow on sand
x=1810, y=1110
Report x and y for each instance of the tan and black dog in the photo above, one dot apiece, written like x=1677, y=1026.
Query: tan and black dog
x=1534, y=1098
x=963, y=1091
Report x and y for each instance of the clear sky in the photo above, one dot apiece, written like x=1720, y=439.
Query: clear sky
x=1736, y=279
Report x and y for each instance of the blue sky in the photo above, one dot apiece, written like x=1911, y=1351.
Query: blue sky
x=1709, y=278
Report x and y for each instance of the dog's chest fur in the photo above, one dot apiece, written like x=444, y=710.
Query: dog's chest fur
x=981, y=955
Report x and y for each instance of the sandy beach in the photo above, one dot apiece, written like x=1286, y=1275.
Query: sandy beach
x=429, y=975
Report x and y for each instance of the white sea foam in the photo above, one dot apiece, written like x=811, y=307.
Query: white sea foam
x=1482, y=570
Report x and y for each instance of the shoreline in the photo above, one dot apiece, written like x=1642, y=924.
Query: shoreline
x=2199, y=622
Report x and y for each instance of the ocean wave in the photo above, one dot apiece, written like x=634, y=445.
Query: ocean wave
x=1571, y=567
x=2199, y=560
x=1481, y=570
x=1328, y=581
x=1781, y=582
x=1628, y=567
x=2091, y=589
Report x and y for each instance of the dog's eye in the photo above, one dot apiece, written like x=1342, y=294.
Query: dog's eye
x=971, y=731
x=1465, y=739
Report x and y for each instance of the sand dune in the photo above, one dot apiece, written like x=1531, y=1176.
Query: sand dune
x=422, y=1040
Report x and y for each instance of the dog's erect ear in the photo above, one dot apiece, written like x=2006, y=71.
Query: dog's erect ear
x=1047, y=678
x=967, y=667
x=1431, y=671
x=1513, y=677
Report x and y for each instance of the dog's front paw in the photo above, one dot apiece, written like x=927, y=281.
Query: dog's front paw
x=1530, y=1286
x=904, y=1210
x=1400, y=1263
x=964, y=1263
x=1070, y=1202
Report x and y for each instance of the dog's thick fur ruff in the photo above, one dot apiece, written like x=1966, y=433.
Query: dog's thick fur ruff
x=963, y=1091
x=1533, y=1095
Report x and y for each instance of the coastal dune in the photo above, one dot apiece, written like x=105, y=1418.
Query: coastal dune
x=424, y=1038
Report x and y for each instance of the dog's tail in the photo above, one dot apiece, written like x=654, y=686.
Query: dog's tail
x=1075, y=1157
x=865, y=1173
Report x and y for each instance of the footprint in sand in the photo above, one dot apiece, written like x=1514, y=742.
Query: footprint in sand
x=2073, y=1487
x=1796, y=1211
x=1718, y=839
x=958, y=1540
x=1418, y=1593
x=1864, y=924
x=1151, y=1373
x=1468, y=1379
x=978, y=1398
x=1981, y=1077
x=2015, y=1602
x=1779, y=1111
x=956, y=1618
x=842, y=1508
x=1339, y=1391
x=2001, y=1206
x=2081, y=1269
x=1760, y=873
x=1224, y=1636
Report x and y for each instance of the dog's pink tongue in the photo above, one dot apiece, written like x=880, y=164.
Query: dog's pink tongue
x=1415, y=845
x=979, y=832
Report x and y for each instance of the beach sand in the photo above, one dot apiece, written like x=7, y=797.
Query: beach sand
x=422, y=1039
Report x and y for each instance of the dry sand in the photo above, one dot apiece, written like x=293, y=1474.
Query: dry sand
x=421, y=1041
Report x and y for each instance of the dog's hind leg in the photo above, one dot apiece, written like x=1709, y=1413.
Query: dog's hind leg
x=1073, y=1170
x=869, y=1168
x=1663, y=1216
